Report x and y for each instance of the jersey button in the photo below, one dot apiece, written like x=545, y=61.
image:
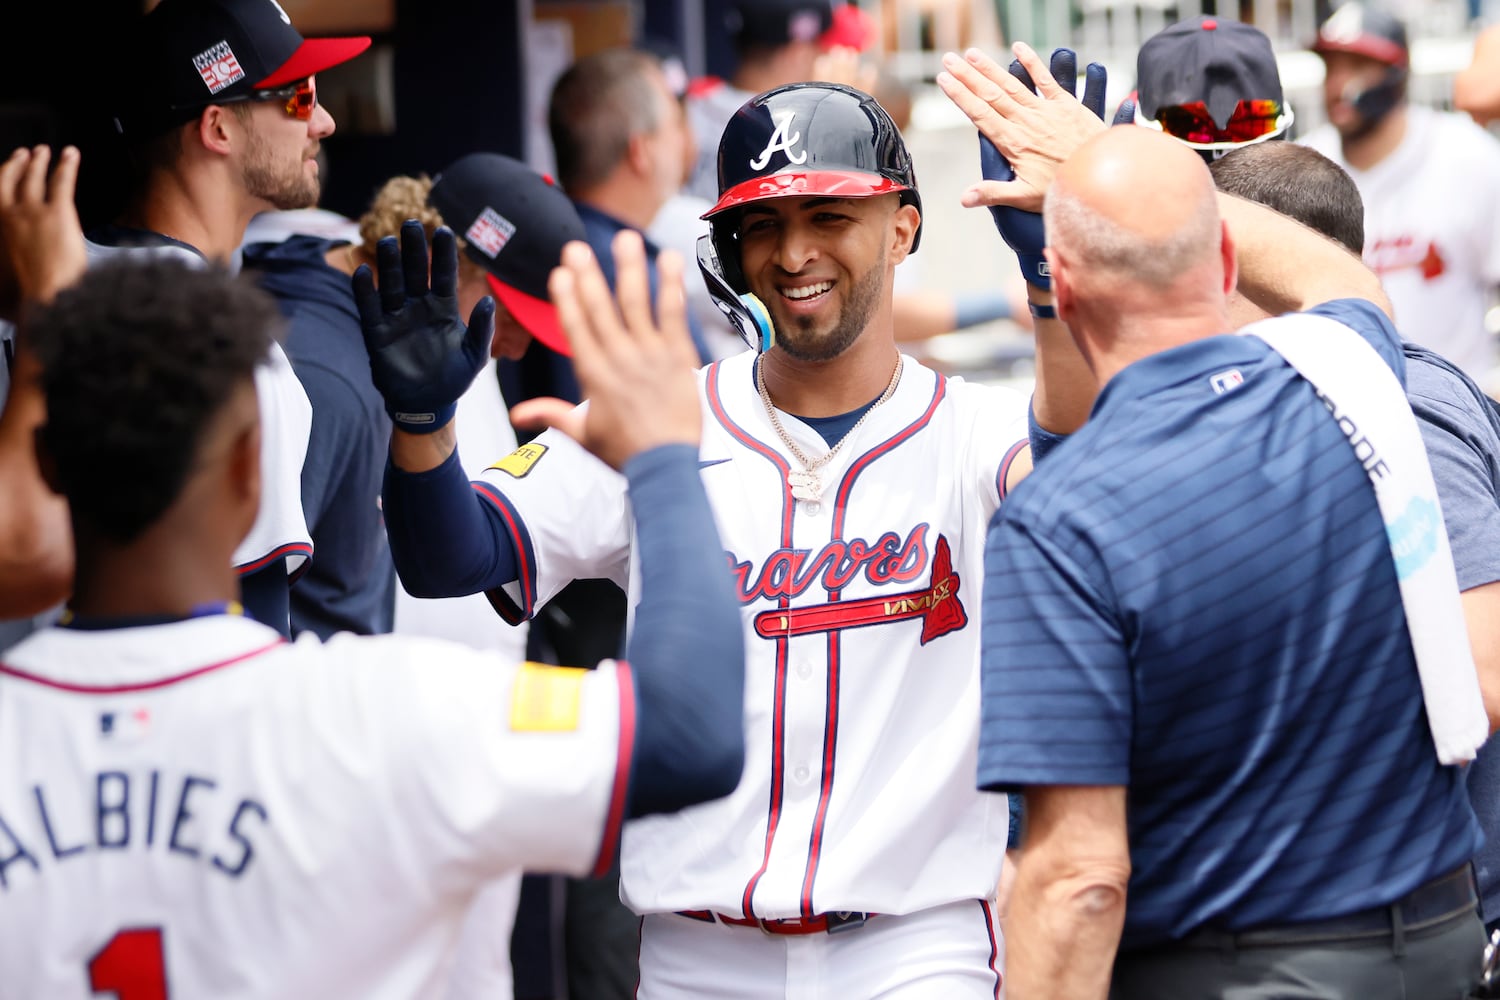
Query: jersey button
x=804, y=670
x=801, y=774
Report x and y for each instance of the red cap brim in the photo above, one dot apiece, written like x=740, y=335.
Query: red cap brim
x=1377, y=48
x=824, y=183
x=539, y=317
x=314, y=55
x=852, y=28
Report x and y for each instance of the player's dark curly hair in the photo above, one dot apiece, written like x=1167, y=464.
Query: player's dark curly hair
x=137, y=358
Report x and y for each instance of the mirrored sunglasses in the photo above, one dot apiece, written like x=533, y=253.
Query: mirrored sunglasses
x=299, y=99
x=1251, y=121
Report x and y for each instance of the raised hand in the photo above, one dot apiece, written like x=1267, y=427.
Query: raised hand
x=39, y=225
x=635, y=369
x=422, y=355
x=1033, y=131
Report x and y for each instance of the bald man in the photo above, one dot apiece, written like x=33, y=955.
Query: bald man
x=1200, y=586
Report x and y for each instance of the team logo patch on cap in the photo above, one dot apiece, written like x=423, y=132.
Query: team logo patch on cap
x=546, y=699
x=490, y=232
x=803, y=26
x=520, y=461
x=218, y=67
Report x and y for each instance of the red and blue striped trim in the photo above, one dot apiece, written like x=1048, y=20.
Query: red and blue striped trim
x=303, y=549
x=500, y=600
x=989, y=926
x=614, y=819
x=778, y=715
x=831, y=725
x=22, y=675
x=1005, y=464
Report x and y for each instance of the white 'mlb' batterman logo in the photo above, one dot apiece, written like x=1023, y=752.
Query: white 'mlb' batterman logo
x=783, y=139
x=1226, y=380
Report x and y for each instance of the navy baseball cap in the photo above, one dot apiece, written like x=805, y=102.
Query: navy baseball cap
x=513, y=222
x=1211, y=59
x=1367, y=31
x=778, y=22
x=193, y=53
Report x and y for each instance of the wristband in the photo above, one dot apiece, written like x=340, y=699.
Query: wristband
x=1041, y=311
x=424, y=423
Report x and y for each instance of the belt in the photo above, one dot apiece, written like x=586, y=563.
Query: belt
x=822, y=923
x=1441, y=899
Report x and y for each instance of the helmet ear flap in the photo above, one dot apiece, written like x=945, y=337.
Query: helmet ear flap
x=746, y=313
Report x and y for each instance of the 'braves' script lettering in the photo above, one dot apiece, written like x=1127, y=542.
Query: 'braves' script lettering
x=790, y=572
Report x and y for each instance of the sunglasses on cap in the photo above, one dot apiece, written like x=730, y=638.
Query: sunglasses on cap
x=299, y=99
x=1252, y=121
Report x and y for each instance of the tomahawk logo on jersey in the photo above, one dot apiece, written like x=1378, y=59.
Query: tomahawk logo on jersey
x=846, y=600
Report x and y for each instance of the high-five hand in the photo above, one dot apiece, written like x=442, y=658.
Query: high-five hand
x=636, y=370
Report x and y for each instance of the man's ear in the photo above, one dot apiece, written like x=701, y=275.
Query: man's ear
x=638, y=154
x=1062, y=289
x=904, y=227
x=1229, y=257
x=216, y=129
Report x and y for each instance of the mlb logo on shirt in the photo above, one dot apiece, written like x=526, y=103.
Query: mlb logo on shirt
x=218, y=67
x=125, y=727
x=1225, y=381
x=490, y=232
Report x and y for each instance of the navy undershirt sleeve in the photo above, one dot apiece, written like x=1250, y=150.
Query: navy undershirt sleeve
x=1042, y=440
x=446, y=539
x=267, y=598
x=687, y=650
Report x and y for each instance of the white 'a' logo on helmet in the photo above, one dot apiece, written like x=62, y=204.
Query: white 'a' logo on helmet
x=783, y=139
x=280, y=11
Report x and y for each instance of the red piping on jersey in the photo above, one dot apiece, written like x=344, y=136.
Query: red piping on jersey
x=144, y=685
x=989, y=926
x=778, y=712
x=303, y=549
x=499, y=600
x=1005, y=464
x=831, y=724
x=615, y=818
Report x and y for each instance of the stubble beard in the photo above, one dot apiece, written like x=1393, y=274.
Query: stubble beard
x=284, y=189
x=798, y=335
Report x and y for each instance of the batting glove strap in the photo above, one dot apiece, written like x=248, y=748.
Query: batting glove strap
x=423, y=423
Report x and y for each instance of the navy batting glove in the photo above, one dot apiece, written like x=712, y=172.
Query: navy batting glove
x=422, y=356
x=1023, y=231
x=1125, y=113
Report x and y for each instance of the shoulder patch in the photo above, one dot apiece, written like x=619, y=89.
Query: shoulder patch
x=519, y=462
x=546, y=699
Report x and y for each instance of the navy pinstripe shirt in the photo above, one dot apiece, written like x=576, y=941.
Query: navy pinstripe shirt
x=1194, y=597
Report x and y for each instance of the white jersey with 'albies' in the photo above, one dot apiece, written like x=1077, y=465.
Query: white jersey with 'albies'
x=199, y=809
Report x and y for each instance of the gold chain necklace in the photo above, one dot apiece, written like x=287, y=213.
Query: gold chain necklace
x=805, y=483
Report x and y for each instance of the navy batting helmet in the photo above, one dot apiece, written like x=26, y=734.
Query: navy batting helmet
x=798, y=141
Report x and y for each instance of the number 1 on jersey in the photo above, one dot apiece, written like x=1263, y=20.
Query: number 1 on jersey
x=132, y=966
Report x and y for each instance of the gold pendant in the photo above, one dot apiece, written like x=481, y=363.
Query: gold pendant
x=805, y=485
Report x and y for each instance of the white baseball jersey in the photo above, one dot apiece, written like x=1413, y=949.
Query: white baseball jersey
x=280, y=530
x=862, y=689
x=1432, y=230
x=199, y=809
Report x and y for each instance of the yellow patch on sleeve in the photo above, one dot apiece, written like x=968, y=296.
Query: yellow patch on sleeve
x=520, y=461
x=546, y=699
